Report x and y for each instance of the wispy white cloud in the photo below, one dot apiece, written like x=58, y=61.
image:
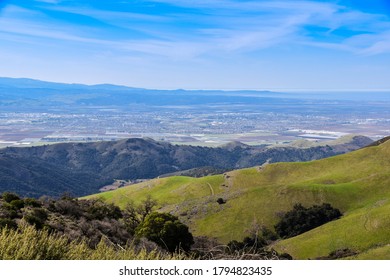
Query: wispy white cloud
x=220, y=27
x=378, y=47
x=275, y=6
x=109, y=15
x=373, y=44
x=271, y=23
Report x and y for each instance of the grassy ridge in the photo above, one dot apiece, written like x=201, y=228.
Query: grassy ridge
x=357, y=183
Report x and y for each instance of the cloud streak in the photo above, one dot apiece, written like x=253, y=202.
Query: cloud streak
x=271, y=23
x=218, y=26
x=180, y=34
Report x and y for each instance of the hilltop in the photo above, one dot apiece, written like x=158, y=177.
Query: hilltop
x=83, y=168
x=357, y=183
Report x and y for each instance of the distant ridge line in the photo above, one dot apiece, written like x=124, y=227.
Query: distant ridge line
x=379, y=142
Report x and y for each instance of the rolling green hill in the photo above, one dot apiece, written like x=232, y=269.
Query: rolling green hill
x=358, y=183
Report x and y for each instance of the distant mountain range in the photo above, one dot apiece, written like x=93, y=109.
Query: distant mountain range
x=83, y=168
x=28, y=92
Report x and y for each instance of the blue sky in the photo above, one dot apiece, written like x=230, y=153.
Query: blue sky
x=199, y=44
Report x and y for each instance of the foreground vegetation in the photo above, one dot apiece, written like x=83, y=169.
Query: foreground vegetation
x=91, y=222
x=68, y=228
x=28, y=243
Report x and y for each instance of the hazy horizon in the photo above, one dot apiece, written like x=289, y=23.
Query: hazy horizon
x=275, y=90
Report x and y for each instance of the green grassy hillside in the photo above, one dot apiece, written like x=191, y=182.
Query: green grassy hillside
x=366, y=230
x=357, y=183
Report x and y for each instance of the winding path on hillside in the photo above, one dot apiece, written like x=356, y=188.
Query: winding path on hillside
x=211, y=189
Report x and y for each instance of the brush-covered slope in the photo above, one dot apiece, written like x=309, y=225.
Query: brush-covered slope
x=358, y=183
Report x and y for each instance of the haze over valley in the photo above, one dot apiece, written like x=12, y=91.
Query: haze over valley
x=36, y=113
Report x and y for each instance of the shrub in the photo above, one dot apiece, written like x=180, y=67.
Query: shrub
x=221, y=201
x=5, y=222
x=301, y=219
x=8, y=211
x=249, y=244
x=37, y=217
x=100, y=210
x=260, y=231
x=166, y=231
x=133, y=215
x=32, y=202
x=67, y=206
x=268, y=235
x=205, y=247
x=8, y=197
x=17, y=204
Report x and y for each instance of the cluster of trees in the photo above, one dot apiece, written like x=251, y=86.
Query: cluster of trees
x=294, y=222
x=301, y=219
x=163, y=229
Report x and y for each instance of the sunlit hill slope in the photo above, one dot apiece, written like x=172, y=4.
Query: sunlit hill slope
x=358, y=183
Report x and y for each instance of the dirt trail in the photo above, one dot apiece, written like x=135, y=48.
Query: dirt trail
x=211, y=189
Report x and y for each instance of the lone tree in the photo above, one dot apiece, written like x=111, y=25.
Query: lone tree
x=134, y=215
x=166, y=231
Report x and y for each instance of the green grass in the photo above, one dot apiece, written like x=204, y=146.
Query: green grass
x=167, y=191
x=360, y=231
x=356, y=183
